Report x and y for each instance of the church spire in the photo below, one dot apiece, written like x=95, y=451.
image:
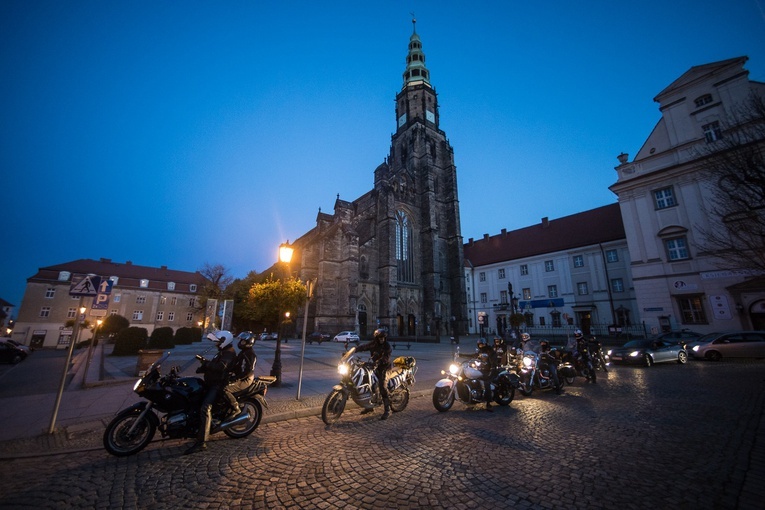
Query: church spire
x=415, y=72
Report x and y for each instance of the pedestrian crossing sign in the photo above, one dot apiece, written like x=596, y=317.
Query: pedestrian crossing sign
x=87, y=286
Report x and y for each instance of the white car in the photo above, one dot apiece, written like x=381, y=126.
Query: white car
x=346, y=336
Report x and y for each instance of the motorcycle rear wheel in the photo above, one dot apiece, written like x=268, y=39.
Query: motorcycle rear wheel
x=117, y=437
x=399, y=399
x=443, y=398
x=254, y=410
x=333, y=407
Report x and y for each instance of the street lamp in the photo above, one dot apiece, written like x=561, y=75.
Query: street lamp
x=285, y=256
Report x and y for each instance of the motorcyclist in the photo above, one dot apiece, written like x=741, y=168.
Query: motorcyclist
x=486, y=354
x=500, y=351
x=216, y=373
x=243, y=373
x=380, y=350
x=550, y=359
x=583, y=351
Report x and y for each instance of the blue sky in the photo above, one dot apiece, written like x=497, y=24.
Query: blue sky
x=181, y=133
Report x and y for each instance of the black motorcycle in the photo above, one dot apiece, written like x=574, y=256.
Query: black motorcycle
x=173, y=406
x=538, y=369
x=600, y=360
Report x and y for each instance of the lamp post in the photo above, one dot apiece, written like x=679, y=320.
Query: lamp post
x=75, y=330
x=285, y=256
x=92, y=343
x=309, y=285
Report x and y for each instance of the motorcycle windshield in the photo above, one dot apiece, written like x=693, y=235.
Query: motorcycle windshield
x=347, y=355
x=158, y=364
x=532, y=346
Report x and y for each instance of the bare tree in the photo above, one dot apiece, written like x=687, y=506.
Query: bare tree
x=734, y=167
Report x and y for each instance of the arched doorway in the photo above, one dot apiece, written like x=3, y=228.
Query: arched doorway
x=362, y=321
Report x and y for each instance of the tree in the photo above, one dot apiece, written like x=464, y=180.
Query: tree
x=217, y=279
x=112, y=325
x=734, y=167
x=268, y=301
x=239, y=291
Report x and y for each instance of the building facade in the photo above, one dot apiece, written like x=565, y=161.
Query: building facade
x=666, y=203
x=393, y=257
x=148, y=297
x=561, y=274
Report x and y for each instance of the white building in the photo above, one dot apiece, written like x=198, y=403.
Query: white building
x=561, y=274
x=665, y=204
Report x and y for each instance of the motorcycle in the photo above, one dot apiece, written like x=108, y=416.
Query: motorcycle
x=600, y=360
x=359, y=382
x=173, y=406
x=464, y=381
x=538, y=370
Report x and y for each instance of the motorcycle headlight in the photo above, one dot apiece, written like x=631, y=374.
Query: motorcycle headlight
x=609, y=352
x=528, y=362
x=343, y=368
x=138, y=385
x=454, y=369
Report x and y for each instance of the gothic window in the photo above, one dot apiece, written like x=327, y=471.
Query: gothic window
x=363, y=269
x=404, y=258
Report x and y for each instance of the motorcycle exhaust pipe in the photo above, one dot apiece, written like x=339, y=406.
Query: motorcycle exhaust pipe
x=234, y=421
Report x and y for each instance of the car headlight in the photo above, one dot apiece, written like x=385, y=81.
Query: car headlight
x=454, y=369
x=696, y=348
x=635, y=354
x=343, y=368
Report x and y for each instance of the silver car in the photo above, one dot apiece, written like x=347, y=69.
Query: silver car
x=732, y=344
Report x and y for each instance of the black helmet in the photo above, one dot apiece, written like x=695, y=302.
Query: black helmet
x=498, y=341
x=246, y=342
x=481, y=342
x=544, y=345
x=380, y=333
x=578, y=334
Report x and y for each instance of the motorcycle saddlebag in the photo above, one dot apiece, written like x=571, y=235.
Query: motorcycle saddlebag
x=404, y=362
x=567, y=371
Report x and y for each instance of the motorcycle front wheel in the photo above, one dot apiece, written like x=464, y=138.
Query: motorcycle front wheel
x=399, y=399
x=254, y=411
x=333, y=407
x=443, y=398
x=119, y=441
x=527, y=388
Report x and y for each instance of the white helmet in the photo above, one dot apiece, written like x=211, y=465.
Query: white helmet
x=525, y=337
x=223, y=338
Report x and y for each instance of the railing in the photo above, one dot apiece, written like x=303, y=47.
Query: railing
x=605, y=333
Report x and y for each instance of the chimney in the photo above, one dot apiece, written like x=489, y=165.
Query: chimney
x=129, y=263
x=545, y=222
x=486, y=237
x=504, y=232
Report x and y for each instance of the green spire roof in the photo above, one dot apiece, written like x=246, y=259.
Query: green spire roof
x=415, y=72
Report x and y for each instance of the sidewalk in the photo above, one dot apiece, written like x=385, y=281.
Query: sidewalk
x=103, y=385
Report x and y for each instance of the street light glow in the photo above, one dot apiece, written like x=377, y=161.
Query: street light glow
x=285, y=252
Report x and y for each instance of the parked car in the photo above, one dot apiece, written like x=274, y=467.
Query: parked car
x=731, y=344
x=346, y=336
x=648, y=352
x=9, y=353
x=317, y=337
x=19, y=345
x=269, y=336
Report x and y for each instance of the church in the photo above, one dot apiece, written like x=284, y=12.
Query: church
x=393, y=258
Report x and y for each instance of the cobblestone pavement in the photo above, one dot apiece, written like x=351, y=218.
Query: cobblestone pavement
x=669, y=436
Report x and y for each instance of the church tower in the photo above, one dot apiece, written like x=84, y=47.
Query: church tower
x=422, y=264
x=393, y=257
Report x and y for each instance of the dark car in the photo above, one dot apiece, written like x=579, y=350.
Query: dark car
x=648, y=352
x=317, y=337
x=684, y=336
x=9, y=353
x=730, y=344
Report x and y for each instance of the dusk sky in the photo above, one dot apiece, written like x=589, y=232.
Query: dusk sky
x=181, y=133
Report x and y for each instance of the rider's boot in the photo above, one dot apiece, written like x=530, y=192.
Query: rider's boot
x=386, y=403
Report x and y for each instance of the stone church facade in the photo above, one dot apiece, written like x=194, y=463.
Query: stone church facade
x=393, y=257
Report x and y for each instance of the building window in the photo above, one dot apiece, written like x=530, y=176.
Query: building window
x=170, y=285
x=189, y=317
x=677, y=248
x=404, y=256
x=162, y=300
x=483, y=298
x=481, y=277
x=193, y=287
x=541, y=321
x=617, y=285
x=71, y=313
x=582, y=288
x=363, y=268
x=691, y=310
x=501, y=274
x=173, y=300
x=117, y=298
x=702, y=100
x=160, y=316
x=144, y=284
x=663, y=198
x=549, y=266
x=139, y=300
x=45, y=311
x=555, y=316
x=529, y=319
x=578, y=261
x=552, y=291
x=138, y=315
x=113, y=312
x=170, y=316
x=612, y=256
x=50, y=293
x=503, y=297
x=524, y=270
x=712, y=131
x=527, y=293
x=193, y=302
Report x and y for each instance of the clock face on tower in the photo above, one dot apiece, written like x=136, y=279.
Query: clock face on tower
x=402, y=120
x=430, y=116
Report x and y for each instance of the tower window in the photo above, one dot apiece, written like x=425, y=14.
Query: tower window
x=702, y=100
x=404, y=258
